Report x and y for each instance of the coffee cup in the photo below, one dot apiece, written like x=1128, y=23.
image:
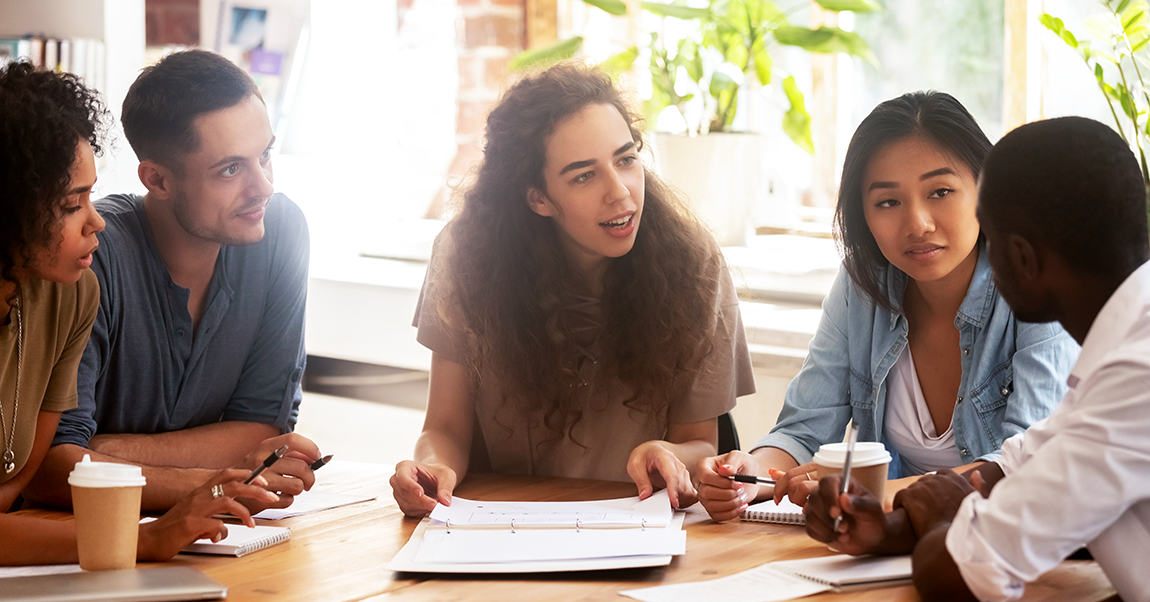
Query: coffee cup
x=869, y=463
x=106, y=506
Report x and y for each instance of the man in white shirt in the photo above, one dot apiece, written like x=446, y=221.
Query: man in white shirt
x=1063, y=206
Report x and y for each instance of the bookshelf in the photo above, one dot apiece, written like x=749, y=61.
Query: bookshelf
x=119, y=24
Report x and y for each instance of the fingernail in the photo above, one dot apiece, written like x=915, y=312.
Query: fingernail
x=743, y=496
x=727, y=466
x=273, y=496
x=260, y=481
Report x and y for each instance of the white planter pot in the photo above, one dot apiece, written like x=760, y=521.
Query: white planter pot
x=721, y=175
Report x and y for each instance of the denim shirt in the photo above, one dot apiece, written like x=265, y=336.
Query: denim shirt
x=1013, y=373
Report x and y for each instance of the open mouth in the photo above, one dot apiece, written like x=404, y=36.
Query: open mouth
x=618, y=223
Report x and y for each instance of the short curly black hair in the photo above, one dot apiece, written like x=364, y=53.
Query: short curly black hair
x=43, y=116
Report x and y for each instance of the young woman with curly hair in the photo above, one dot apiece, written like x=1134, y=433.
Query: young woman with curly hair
x=51, y=128
x=582, y=321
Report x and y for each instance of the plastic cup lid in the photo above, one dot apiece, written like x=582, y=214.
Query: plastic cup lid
x=867, y=453
x=105, y=474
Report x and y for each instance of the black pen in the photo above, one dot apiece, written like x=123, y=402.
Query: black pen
x=746, y=478
x=276, y=455
x=318, y=464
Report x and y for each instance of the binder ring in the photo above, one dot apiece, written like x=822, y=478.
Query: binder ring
x=512, y=525
x=449, y=526
x=577, y=525
x=643, y=525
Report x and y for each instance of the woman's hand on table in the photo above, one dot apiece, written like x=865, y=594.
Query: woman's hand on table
x=723, y=498
x=193, y=517
x=652, y=466
x=419, y=487
x=797, y=483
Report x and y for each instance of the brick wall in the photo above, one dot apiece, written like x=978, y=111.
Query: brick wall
x=489, y=33
x=169, y=22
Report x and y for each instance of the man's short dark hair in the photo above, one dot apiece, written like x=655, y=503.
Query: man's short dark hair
x=163, y=103
x=1074, y=185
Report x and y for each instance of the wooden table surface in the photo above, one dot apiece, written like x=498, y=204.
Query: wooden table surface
x=339, y=554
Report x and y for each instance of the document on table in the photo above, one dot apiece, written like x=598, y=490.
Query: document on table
x=313, y=501
x=513, y=537
x=787, y=579
x=46, y=569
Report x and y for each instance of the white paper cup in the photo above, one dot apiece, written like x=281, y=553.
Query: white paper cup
x=106, y=505
x=869, y=463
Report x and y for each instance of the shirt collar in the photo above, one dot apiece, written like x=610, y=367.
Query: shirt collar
x=1113, y=322
x=977, y=303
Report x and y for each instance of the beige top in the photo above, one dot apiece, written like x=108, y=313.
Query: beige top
x=608, y=431
x=57, y=320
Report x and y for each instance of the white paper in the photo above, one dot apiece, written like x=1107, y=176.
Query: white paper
x=312, y=501
x=654, y=511
x=28, y=571
x=405, y=559
x=487, y=546
x=760, y=584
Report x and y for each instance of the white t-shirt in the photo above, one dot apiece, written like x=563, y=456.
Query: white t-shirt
x=1080, y=477
x=909, y=427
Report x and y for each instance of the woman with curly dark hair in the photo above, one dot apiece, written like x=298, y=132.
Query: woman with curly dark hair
x=582, y=321
x=51, y=128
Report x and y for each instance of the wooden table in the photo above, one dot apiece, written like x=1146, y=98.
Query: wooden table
x=339, y=554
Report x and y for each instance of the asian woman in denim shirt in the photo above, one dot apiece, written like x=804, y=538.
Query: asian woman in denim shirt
x=915, y=344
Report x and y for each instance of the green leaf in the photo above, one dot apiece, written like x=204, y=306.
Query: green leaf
x=858, y=6
x=621, y=62
x=614, y=7
x=1135, y=16
x=796, y=121
x=827, y=40
x=548, y=55
x=1098, y=73
x=763, y=64
x=1052, y=23
x=1122, y=6
x=677, y=11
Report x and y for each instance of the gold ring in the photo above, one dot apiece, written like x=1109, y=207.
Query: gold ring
x=808, y=476
x=217, y=491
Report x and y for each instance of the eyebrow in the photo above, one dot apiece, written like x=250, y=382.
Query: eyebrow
x=80, y=189
x=235, y=158
x=589, y=162
x=926, y=176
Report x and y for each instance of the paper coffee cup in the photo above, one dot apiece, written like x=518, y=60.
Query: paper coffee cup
x=869, y=463
x=106, y=505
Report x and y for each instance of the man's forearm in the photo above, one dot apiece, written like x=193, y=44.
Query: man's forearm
x=936, y=576
x=215, y=446
x=165, y=486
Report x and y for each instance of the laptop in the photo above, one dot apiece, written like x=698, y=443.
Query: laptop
x=160, y=584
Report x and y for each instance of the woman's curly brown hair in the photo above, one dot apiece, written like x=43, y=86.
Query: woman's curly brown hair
x=43, y=116
x=508, y=273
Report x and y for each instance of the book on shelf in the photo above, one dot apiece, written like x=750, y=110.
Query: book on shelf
x=84, y=57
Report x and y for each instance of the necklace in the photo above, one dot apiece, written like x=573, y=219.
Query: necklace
x=9, y=455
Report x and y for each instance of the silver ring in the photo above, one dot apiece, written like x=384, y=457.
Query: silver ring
x=217, y=492
x=808, y=476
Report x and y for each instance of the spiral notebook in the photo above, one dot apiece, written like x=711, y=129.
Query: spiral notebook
x=787, y=513
x=241, y=541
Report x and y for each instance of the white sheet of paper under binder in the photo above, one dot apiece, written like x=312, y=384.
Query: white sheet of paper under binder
x=760, y=584
x=490, y=546
x=655, y=510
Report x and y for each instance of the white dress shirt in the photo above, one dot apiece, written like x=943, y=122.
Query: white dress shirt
x=1080, y=477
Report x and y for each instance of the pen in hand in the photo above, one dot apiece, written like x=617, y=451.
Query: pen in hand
x=318, y=464
x=275, y=456
x=854, y=434
x=746, y=478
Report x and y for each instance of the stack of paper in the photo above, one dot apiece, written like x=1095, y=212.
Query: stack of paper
x=516, y=537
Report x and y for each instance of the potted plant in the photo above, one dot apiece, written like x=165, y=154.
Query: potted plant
x=1116, y=52
x=705, y=77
